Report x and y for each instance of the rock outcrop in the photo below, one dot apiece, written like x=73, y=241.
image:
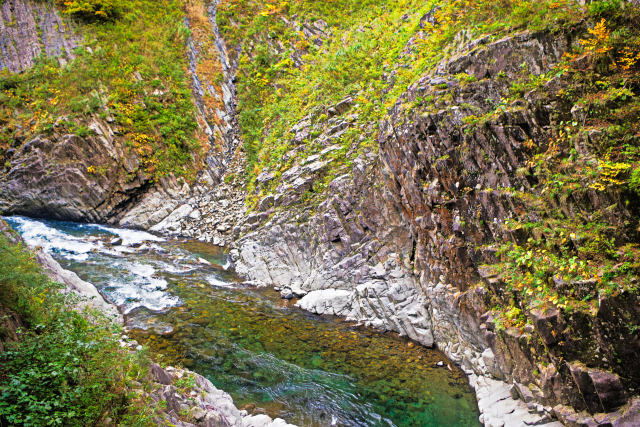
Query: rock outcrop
x=218, y=203
x=396, y=242
x=64, y=176
x=29, y=29
x=199, y=403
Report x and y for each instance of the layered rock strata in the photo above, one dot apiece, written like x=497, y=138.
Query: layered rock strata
x=64, y=176
x=394, y=243
x=29, y=29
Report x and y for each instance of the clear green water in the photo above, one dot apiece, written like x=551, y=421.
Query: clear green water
x=307, y=369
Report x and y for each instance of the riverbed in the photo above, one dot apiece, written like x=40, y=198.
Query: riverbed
x=182, y=299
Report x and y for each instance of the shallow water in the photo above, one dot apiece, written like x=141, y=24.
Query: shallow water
x=180, y=299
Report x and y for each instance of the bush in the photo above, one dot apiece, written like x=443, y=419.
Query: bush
x=634, y=181
x=604, y=8
x=23, y=287
x=60, y=374
x=93, y=9
x=64, y=370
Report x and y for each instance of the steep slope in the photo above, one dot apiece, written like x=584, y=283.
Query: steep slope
x=496, y=217
x=107, y=114
x=465, y=173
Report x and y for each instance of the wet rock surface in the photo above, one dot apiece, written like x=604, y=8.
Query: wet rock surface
x=192, y=400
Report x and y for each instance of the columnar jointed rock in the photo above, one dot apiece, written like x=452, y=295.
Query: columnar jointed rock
x=28, y=29
x=449, y=184
x=394, y=244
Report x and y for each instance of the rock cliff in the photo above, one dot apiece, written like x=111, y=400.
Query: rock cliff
x=64, y=176
x=494, y=215
x=31, y=29
x=400, y=242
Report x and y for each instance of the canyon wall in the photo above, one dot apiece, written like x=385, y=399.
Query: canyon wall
x=30, y=29
x=402, y=240
x=399, y=243
x=104, y=172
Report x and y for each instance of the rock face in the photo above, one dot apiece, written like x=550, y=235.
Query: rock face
x=449, y=183
x=97, y=177
x=29, y=29
x=333, y=255
x=68, y=177
x=216, y=102
x=219, y=204
x=204, y=404
x=394, y=243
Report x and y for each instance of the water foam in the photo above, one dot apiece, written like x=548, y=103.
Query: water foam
x=37, y=233
x=127, y=283
x=214, y=280
x=131, y=237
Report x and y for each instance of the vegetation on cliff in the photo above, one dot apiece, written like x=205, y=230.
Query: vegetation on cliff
x=599, y=114
x=372, y=52
x=368, y=51
x=130, y=71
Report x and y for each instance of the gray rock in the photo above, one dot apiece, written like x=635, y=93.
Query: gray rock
x=160, y=375
x=31, y=28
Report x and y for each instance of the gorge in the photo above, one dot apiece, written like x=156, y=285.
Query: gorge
x=463, y=174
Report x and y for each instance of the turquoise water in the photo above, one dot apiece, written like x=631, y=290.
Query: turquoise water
x=181, y=299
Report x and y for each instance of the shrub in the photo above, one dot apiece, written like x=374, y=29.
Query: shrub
x=93, y=9
x=23, y=286
x=604, y=8
x=60, y=374
x=634, y=181
x=65, y=369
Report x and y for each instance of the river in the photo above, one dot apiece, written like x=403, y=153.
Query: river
x=182, y=299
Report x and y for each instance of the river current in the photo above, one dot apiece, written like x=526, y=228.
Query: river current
x=182, y=299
